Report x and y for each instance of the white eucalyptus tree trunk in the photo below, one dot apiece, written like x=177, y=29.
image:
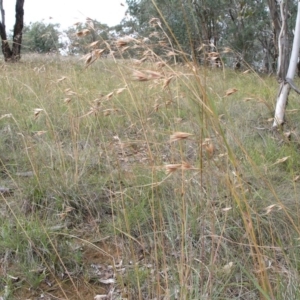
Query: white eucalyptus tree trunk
x=287, y=82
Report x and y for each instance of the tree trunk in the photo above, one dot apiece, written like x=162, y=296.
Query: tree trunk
x=18, y=28
x=287, y=82
x=276, y=24
x=12, y=53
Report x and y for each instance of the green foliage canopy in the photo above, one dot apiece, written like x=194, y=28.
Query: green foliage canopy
x=41, y=37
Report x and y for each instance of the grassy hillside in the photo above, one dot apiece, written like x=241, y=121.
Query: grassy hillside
x=145, y=182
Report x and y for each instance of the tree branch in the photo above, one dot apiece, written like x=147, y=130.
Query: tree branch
x=292, y=85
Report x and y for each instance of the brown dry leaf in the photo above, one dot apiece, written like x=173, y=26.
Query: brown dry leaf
x=177, y=136
x=230, y=92
x=281, y=160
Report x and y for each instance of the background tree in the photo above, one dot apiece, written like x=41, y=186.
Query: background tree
x=13, y=52
x=77, y=44
x=211, y=25
x=285, y=72
x=42, y=38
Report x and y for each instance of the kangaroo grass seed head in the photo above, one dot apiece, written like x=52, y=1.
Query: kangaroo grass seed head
x=83, y=33
x=37, y=111
x=177, y=136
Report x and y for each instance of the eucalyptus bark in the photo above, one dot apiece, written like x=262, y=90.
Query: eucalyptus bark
x=287, y=81
x=12, y=53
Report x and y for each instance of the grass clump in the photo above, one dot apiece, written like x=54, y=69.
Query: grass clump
x=145, y=182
